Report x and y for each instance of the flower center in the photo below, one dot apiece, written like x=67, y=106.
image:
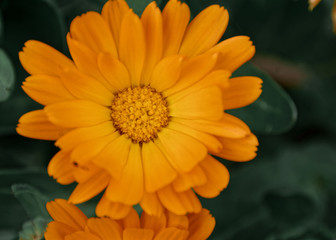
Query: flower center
x=140, y=113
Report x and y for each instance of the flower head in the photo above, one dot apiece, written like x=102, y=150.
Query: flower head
x=70, y=223
x=141, y=106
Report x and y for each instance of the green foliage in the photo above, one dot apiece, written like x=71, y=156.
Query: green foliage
x=15, y=188
x=273, y=112
x=279, y=197
x=7, y=76
x=33, y=229
x=31, y=199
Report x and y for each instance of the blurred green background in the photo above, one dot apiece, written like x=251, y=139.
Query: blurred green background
x=288, y=192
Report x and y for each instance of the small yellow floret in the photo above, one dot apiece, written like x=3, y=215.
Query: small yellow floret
x=140, y=113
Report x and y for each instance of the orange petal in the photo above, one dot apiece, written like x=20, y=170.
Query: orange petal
x=166, y=73
x=242, y=91
x=151, y=20
x=90, y=188
x=46, y=89
x=175, y=18
x=82, y=236
x=179, y=203
x=217, y=178
x=240, y=150
x=229, y=126
x=77, y=113
x=40, y=58
x=114, y=156
x=62, y=211
x=81, y=135
x=178, y=221
x=58, y=231
x=61, y=168
x=205, y=30
x=189, y=77
x=236, y=121
x=131, y=220
x=132, y=48
x=157, y=170
x=219, y=78
x=186, y=181
x=91, y=29
x=138, y=234
x=201, y=225
x=172, y=233
x=86, y=60
x=86, y=88
x=105, y=228
x=112, y=209
x=114, y=71
x=209, y=141
x=129, y=189
x=87, y=151
x=204, y=103
x=156, y=223
x=83, y=173
x=234, y=52
x=113, y=12
x=182, y=151
x=35, y=124
x=151, y=204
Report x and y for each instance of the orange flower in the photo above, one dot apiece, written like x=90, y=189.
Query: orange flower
x=70, y=223
x=140, y=108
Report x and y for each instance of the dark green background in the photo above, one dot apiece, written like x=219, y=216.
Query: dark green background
x=288, y=192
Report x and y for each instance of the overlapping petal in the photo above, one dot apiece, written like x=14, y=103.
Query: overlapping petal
x=39, y=58
x=70, y=223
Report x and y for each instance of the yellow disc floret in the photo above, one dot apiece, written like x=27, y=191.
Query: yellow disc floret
x=140, y=113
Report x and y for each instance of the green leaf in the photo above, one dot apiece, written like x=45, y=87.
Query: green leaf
x=8, y=234
x=273, y=112
x=34, y=229
x=33, y=186
x=278, y=194
x=13, y=215
x=33, y=201
x=7, y=76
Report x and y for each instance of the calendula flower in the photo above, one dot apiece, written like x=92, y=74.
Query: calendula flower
x=70, y=223
x=141, y=106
